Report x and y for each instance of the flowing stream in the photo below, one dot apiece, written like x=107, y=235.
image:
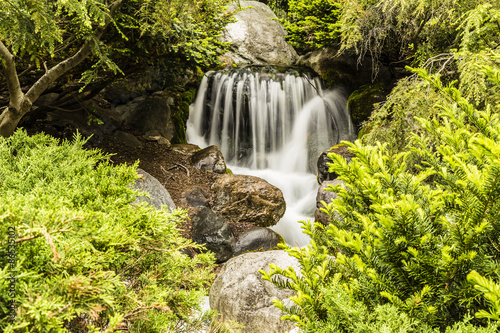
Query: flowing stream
x=274, y=125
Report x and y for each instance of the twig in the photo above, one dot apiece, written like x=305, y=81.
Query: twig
x=182, y=166
x=52, y=246
x=143, y=308
x=20, y=240
x=167, y=173
x=496, y=248
x=165, y=250
x=60, y=109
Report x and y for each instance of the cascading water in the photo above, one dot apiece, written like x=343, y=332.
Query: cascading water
x=273, y=125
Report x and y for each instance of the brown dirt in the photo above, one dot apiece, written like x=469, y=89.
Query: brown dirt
x=173, y=170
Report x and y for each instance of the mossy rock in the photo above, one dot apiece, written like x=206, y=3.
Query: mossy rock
x=361, y=102
x=324, y=160
x=180, y=114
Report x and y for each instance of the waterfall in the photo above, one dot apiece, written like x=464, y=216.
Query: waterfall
x=274, y=125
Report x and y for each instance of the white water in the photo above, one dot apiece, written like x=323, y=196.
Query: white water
x=273, y=126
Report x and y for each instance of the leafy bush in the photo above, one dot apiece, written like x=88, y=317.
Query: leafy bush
x=421, y=246
x=473, y=49
x=87, y=256
x=312, y=24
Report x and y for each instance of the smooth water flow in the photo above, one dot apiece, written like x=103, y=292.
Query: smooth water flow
x=273, y=125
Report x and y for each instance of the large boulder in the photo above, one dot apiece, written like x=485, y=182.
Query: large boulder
x=257, y=239
x=158, y=194
x=209, y=159
x=323, y=161
x=149, y=115
x=257, y=37
x=327, y=196
x=240, y=294
x=242, y=198
x=212, y=231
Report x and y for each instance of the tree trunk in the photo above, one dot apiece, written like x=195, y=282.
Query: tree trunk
x=10, y=117
x=20, y=103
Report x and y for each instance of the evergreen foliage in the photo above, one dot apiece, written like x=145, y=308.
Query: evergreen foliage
x=475, y=49
x=312, y=24
x=94, y=40
x=88, y=257
x=415, y=242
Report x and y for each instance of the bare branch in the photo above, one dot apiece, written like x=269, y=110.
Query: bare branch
x=64, y=66
x=11, y=77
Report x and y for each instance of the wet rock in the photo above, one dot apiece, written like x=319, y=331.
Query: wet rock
x=257, y=239
x=127, y=139
x=361, y=102
x=212, y=231
x=257, y=37
x=324, y=160
x=240, y=294
x=158, y=194
x=344, y=69
x=195, y=197
x=327, y=197
x=209, y=159
x=243, y=198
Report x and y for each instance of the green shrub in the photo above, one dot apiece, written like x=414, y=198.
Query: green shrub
x=312, y=24
x=86, y=256
x=407, y=242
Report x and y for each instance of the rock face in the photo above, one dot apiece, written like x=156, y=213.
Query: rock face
x=240, y=294
x=150, y=115
x=257, y=239
x=212, y=231
x=249, y=199
x=323, y=160
x=209, y=159
x=256, y=38
x=158, y=193
x=326, y=196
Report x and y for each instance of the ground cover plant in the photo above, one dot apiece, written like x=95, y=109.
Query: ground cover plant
x=89, y=258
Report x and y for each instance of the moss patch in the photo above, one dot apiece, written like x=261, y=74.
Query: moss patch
x=180, y=113
x=361, y=101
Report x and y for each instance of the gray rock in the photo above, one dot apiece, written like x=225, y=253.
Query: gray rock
x=209, y=159
x=257, y=37
x=158, y=194
x=240, y=294
x=127, y=139
x=343, y=69
x=257, y=239
x=249, y=199
x=327, y=197
x=212, y=231
x=195, y=197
